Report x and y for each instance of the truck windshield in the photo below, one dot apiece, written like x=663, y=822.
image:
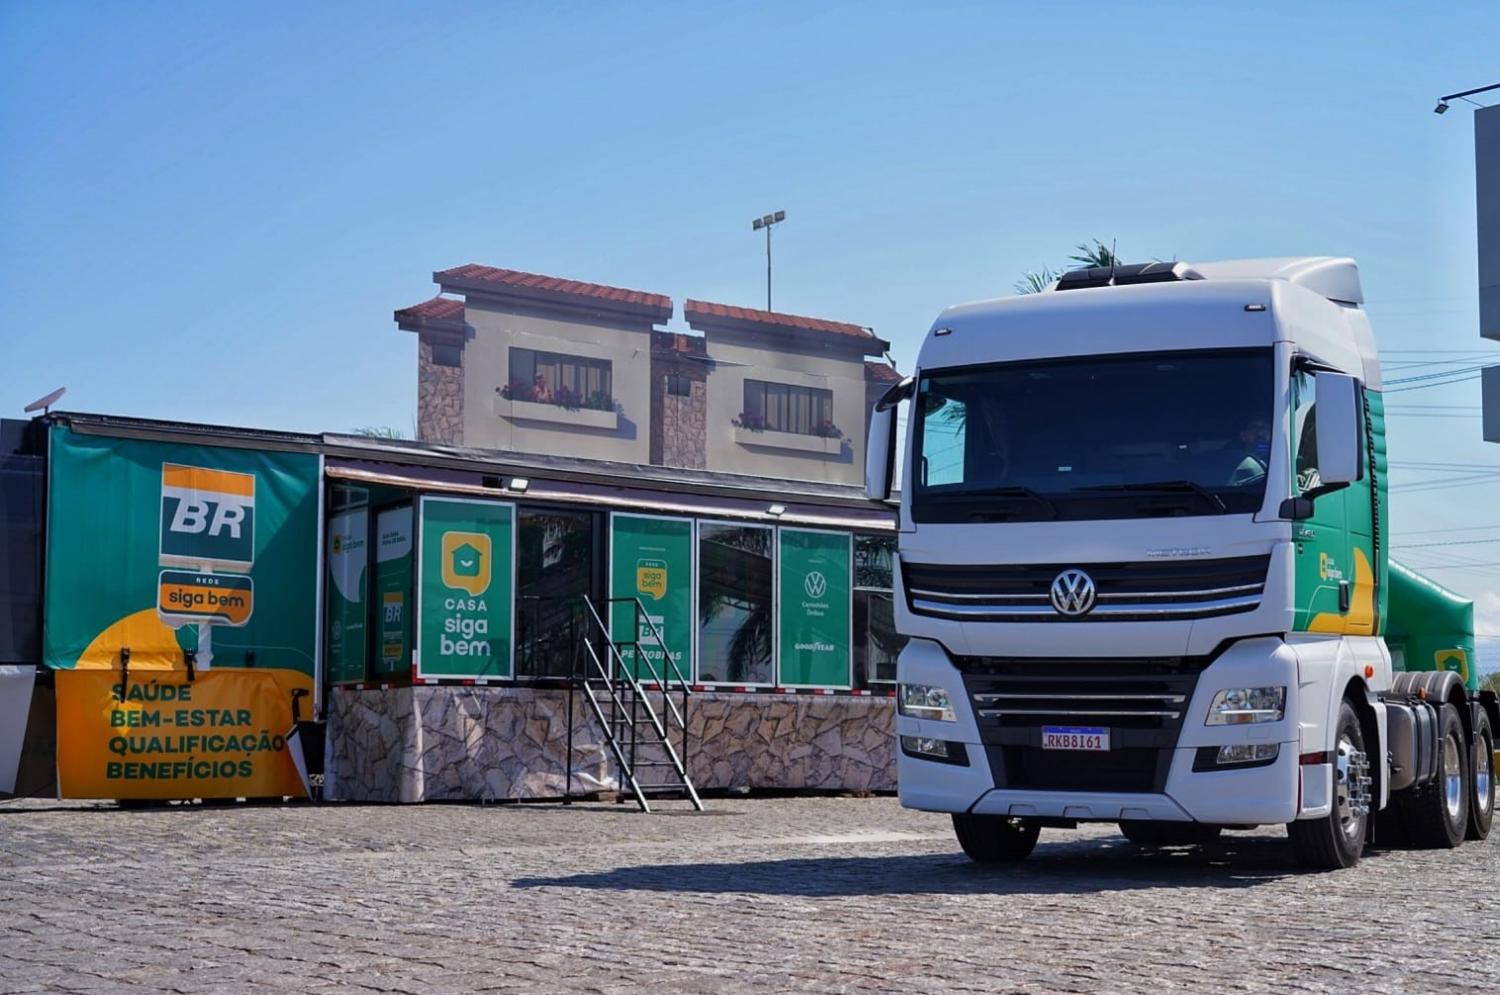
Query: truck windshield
x=1131, y=435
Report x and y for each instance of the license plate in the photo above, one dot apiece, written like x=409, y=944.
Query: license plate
x=1090, y=738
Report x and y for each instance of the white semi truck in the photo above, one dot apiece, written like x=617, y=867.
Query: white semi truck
x=1143, y=566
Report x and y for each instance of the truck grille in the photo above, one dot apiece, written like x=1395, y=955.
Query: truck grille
x=1141, y=702
x=1125, y=592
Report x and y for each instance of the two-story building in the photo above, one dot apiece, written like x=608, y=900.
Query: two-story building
x=534, y=364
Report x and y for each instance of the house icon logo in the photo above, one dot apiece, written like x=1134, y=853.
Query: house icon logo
x=466, y=561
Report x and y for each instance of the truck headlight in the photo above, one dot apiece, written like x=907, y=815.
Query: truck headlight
x=925, y=701
x=1242, y=706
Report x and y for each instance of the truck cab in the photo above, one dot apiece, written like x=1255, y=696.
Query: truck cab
x=1143, y=562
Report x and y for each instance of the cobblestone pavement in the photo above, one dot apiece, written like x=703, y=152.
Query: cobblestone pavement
x=754, y=895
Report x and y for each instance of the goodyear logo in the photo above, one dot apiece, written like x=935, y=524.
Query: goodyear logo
x=207, y=517
x=200, y=597
x=651, y=578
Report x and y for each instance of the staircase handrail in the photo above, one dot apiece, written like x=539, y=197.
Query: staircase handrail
x=683, y=684
x=635, y=685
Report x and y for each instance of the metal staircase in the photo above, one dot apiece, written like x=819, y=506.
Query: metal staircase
x=633, y=701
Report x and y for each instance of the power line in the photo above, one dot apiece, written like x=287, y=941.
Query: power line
x=1451, y=542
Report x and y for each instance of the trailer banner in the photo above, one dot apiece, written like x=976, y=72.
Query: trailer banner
x=817, y=613
x=651, y=560
x=222, y=734
x=393, y=560
x=466, y=588
x=348, y=548
x=161, y=549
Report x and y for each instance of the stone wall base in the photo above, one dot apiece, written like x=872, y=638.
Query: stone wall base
x=417, y=744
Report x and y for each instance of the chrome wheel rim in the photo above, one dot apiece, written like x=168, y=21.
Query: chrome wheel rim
x=1453, y=781
x=1484, y=762
x=1351, y=789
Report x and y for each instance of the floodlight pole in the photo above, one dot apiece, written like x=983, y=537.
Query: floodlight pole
x=766, y=221
x=768, y=267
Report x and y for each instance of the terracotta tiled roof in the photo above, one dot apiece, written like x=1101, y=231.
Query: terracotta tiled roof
x=881, y=373
x=473, y=273
x=439, y=308
x=706, y=309
x=441, y=314
x=695, y=345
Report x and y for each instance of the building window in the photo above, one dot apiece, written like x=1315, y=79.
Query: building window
x=556, y=378
x=775, y=407
x=735, y=617
x=679, y=384
x=446, y=355
x=877, y=644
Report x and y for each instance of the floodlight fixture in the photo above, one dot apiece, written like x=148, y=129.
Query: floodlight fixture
x=519, y=484
x=1464, y=95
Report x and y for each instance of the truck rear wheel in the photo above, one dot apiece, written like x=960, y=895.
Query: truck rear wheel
x=1482, y=780
x=995, y=839
x=1337, y=840
x=1437, y=813
x=1146, y=833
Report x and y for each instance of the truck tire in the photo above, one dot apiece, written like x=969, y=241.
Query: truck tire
x=1437, y=813
x=1337, y=840
x=995, y=839
x=1148, y=833
x=1482, y=780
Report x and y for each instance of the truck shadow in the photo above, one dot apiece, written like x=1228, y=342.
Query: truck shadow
x=1061, y=868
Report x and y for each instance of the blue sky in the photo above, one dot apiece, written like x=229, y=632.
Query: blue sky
x=210, y=211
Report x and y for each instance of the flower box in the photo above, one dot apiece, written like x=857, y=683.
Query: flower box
x=556, y=414
x=790, y=441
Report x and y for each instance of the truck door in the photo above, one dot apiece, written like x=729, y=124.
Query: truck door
x=1330, y=561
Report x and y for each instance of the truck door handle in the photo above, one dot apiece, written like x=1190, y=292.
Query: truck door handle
x=1343, y=595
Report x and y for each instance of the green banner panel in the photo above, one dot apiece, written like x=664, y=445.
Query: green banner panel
x=348, y=538
x=466, y=595
x=161, y=548
x=816, y=608
x=393, y=569
x=651, y=559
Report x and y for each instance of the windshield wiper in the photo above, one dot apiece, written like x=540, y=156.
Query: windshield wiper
x=1012, y=491
x=1167, y=487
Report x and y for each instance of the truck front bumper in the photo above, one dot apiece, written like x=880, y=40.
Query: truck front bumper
x=1005, y=772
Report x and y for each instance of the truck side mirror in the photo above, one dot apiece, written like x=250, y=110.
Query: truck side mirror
x=1338, y=428
x=880, y=448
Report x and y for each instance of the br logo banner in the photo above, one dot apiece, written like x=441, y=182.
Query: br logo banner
x=207, y=518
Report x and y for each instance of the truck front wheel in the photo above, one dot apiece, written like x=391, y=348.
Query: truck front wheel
x=1337, y=840
x=995, y=839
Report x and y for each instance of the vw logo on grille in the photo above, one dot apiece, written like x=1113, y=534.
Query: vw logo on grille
x=1073, y=593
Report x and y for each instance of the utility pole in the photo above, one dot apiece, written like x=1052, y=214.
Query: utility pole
x=766, y=222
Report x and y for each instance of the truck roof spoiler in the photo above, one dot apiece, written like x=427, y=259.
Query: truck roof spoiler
x=1333, y=277
x=1124, y=276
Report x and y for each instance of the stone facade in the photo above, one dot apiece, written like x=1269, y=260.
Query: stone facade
x=679, y=423
x=417, y=744
x=440, y=398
